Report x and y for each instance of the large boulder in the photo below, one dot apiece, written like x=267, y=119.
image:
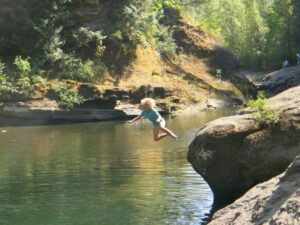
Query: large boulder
x=235, y=153
x=276, y=201
x=281, y=80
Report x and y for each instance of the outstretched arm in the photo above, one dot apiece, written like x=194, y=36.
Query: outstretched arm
x=134, y=119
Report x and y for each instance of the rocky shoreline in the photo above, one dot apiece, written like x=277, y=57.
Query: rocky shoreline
x=236, y=154
x=42, y=107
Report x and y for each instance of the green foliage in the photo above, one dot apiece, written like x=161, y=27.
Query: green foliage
x=53, y=47
x=35, y=30
x=139, y=22
x=158, y=4
x=23, y=70
x=261, y=33
x=76, y=69
x=141, y=26
x=37, y=79
x=7, y=84
x=68, y=97
x=172, y=3
x=165, y=44
x=3, y=76
x=23, y=66
x=85, y=37
x=22, y=80
x=263, y=114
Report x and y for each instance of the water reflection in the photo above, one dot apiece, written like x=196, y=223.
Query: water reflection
x=101, y=173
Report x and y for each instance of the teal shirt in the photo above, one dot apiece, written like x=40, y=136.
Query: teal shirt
x=152, y=115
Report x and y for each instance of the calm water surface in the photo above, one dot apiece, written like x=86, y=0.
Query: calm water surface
x=101, y=173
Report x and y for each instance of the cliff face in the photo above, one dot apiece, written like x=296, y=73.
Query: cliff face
x=235, y=153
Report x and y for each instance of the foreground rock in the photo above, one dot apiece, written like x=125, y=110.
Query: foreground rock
x=276, y=201
x=281, y=80
x=235, y=153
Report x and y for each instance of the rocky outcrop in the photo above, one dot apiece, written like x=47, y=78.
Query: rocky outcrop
x=281, y=80
x=276, y=201
x=235, y=153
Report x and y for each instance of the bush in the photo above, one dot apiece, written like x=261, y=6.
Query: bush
x=68, y=96
x=75, y=69
x=165, y=44
x=23, y=66
x=6, y=86
x=3, y=76
x=23, y=83
x=172, y=3
x=37, y=79
x=85, y=37
x=84, y=71
x=139, y=22
x=263, y=114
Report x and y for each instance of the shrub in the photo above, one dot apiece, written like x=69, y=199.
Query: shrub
x=84, y=71
x=84, y=37
x=158, y=5
x=165, y=44
x=172, y=3
x=23, y=66
x=68, y=96
x=23, y=83
x=6, y=85
x=263, y=114
x=37, y=79
x=3, y=76
x=75, y=69
x=139, y=22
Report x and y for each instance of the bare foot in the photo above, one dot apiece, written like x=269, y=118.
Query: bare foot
x=174, y=136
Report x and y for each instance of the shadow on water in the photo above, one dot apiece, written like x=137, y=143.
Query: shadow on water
x=102, y=173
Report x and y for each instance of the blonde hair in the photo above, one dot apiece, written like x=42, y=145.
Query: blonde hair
x=148, y=102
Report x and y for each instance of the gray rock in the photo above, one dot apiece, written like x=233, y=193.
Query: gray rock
x=276, y=201
x=235, y=153
x=51, y=114
x=281, y=80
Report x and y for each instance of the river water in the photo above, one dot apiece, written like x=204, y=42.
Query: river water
x=101, y=173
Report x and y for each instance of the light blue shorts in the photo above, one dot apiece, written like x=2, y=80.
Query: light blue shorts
x=161, y=124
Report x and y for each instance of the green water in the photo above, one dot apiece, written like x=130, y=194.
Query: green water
x=101, y=173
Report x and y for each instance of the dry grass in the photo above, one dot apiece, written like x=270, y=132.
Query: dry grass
x=191, y=80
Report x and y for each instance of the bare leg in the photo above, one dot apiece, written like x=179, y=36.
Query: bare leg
x=169, y=132
x=157, y=136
